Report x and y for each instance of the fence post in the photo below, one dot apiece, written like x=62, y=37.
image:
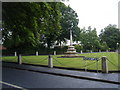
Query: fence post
x=19, y=59
x=50, y=62
x=106, y=50
x=36, y=53
x=15, y=53
x=104, y=65
x=54, y=52
x=91, y=51
x=81, y=51
x=99, y=50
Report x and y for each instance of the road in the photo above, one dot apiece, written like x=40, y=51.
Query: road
x=14, y=78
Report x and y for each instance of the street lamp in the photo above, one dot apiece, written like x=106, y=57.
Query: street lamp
x=117, y=46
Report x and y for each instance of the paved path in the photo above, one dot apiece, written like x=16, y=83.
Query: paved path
x=110, y=76
x=11, y=69
x=26, y=79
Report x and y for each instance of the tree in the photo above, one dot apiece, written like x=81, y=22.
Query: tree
x=19, y=25
x=69, y=21
x=110, y=35
x=104, y=46
x=52, y=24
x=89, y=39
x=26, y=24
x=78, y=48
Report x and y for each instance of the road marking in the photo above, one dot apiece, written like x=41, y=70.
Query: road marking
x=12, y=85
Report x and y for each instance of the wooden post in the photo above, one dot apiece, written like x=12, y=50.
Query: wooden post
x=50, y=62
x=104, y=65
x=19, y=59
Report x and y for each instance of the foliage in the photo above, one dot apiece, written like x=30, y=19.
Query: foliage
x=19, y=25
x=78, y=48
x=89, y=39
x=25, y=25
x=33, y=26
x=70, y=62
x=104, y=46
x=110, y=35
x=69, y=21
x=52, y=24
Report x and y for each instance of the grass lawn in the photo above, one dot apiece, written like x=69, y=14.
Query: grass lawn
x=70, y=62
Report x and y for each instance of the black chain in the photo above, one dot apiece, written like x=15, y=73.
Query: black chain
x=113, y=63
x=40, y=61
x=14, y=58
x=90, y=64
x=60, y=62
x=68, y=65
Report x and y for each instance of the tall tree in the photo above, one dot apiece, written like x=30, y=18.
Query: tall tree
x=19, y=25
x=69, y=21
x=110, y=35
x=25, y=24
x=52, y=25
x=89, y=39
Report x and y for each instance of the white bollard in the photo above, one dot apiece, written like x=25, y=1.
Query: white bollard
x=19, y=59
x=99, y=50
x=106, y=50
x=91, y=51
x=15, y=53
x=50, y=62
x=81, y=51
x=117, y=50
x=104, y=64
x=54, y=52
x=37, y=53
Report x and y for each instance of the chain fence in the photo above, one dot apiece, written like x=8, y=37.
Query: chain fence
x=39, y=60
x=85, y=64
x=113, y=64
x=10, y=58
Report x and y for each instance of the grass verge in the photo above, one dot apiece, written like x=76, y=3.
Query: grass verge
x=78, y=63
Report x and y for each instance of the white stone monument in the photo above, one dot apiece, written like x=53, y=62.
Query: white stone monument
x=71, y=51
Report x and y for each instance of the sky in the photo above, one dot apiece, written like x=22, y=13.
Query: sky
x=95, y=13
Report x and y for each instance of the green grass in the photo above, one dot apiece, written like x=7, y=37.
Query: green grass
x=70, y=62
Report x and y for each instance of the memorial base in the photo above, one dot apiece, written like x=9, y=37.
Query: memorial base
x=71, y=53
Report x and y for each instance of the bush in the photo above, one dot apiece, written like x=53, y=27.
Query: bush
x=78, y=48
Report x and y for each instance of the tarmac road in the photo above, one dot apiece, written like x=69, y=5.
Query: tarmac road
x=14, y=78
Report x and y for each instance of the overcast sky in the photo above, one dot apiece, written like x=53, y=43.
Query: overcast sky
x=95, y=13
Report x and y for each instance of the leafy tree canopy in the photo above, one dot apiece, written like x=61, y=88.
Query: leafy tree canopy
x=110, y=35
x=25, y=24
x=69, y=21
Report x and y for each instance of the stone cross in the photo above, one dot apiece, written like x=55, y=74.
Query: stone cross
x=70, y=37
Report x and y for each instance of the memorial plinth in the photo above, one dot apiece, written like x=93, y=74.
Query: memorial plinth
x=71, y=51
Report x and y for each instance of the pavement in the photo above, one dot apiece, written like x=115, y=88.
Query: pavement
x=13, y=78
x=102, y=77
